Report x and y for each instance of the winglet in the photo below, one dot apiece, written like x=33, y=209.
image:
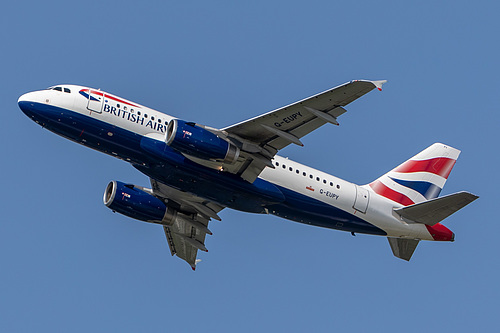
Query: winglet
x=193, y=266
x=379, y=84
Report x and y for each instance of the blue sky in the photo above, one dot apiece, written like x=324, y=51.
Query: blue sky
x=70, y=264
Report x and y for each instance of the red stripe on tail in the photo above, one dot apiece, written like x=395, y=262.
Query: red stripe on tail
x=388, y=193
x=440, y=166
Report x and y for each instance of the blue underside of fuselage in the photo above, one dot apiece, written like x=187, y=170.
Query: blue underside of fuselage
x=303, y=209
x=181, y=173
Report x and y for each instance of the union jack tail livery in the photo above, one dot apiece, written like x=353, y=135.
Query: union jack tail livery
x=419, y=179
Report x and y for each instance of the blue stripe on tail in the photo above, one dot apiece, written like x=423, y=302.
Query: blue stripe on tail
x=428, y=190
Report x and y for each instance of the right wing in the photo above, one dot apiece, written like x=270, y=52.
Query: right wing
x=186, y=234
x=261, y=137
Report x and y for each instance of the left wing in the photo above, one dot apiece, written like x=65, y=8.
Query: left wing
x=261, y=137
x=186, y=235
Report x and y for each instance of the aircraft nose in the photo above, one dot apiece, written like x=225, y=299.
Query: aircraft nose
x=22, y=98
x=32, y=96
x=27, y=103
x=23, y=101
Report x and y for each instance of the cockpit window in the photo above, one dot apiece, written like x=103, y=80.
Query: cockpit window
x=66, y=90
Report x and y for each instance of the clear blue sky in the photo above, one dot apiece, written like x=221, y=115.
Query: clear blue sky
x=69, y=264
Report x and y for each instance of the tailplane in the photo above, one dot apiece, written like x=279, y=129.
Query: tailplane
x=419, y=179
x=435, y=210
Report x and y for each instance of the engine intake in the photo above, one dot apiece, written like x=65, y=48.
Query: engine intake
x=193, y=140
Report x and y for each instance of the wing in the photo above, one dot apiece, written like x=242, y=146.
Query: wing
x=261, y=137
x=186, y=235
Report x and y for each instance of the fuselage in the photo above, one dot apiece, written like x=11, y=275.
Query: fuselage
x=121, y=128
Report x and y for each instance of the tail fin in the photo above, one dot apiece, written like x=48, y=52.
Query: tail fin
x=420, y=178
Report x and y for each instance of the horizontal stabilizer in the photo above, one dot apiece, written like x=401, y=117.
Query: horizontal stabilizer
x=403, y=248
x=435, y=210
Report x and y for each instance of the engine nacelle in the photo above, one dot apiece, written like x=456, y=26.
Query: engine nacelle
x=196, y=141
x=133, y=202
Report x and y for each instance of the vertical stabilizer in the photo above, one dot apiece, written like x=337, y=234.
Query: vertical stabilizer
x=419, y=179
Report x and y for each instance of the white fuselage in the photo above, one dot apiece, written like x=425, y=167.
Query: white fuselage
x=359, y=201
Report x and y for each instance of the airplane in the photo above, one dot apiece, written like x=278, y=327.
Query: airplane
x=196, y=171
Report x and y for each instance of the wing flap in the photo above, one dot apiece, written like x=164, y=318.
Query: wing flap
x=435, y=210
x=184, y=241
x=186, y=234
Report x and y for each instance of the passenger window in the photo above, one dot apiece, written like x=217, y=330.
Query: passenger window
x=284, y=166
x=277, y=164
x=317, y=179
x=324, y=181
x=338, y=186
x=304, y=174
x=311, y=176
x=159, y=120
x=297, y=171
x=118, y=105
x=290, y=168
x=331, y=184
x=153, y=118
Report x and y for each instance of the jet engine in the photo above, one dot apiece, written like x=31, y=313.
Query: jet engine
x=194, y=140
x=138, y=204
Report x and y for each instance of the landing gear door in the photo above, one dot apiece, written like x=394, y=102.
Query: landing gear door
x=96, y=99
x=362, y=199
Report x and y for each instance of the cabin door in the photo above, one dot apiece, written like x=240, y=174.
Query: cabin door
x=362, y=199
x=96, y=99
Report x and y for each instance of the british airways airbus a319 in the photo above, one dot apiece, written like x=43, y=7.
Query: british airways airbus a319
x=196, y=171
